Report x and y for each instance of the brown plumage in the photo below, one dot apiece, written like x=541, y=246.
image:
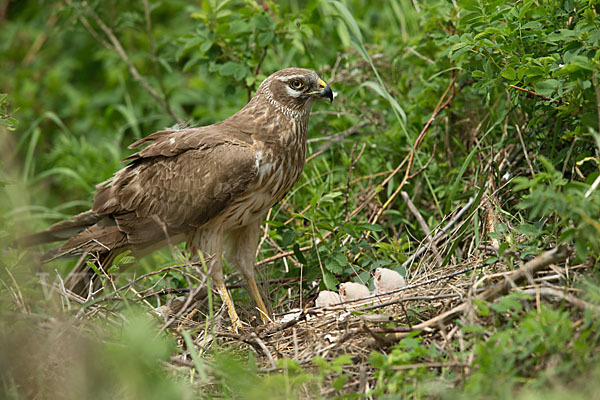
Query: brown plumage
x=203, y=185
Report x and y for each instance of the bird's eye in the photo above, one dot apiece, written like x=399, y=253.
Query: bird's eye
x=296, y=84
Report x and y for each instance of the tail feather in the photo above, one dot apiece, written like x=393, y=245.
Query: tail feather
x=95, y=237
x=88, y=232
x=99, y=238
x=61, y=230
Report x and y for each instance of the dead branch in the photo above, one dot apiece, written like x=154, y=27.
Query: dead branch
x=532, y=93
x=555, y=255
x=550, y=292
x=421, y=221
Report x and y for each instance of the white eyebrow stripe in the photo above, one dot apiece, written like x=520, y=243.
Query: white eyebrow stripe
x=292, y=92
x=290, y=77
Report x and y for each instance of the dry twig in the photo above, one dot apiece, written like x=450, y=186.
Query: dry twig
x=558, y=254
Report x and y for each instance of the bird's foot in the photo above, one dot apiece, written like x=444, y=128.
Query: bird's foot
x=260, y=305
x=236, y=323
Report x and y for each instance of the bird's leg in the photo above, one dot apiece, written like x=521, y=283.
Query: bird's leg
x=210, y=242
x=235, y=320
x=264, y=313
x=216, y=273
x=242, y=251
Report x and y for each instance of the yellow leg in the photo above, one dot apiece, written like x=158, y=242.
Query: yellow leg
x=264, y=314
x=235, y=320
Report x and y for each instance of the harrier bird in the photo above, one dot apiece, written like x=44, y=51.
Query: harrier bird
x=210, y=186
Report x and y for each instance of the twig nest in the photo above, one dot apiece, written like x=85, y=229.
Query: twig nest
x=327, y=298
x=352, y=291
x=386, y=280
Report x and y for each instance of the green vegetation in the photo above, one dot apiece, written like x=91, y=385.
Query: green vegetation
x=495, y=101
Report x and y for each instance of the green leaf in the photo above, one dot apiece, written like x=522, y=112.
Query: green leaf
x=508, y=303
x=240, y=26
x=371, y=227
x=265, y=38
x=287, y=237
x=483, y=308
x=298, y=254
x=532, y=25
x=376, y=87
x=547, y=87
x=509, y=73
x=237, y=70
x=349, y=20
x=263, y=22
x=228, y=68
x=528, y=230
x=339, y=383
x=334, y=266
x=341, y=259
x=124, y=259
x=330, y=281
x=329, y=197
x=198, y=363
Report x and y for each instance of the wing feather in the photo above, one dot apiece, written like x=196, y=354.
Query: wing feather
x=177, y=183
x=176, y=193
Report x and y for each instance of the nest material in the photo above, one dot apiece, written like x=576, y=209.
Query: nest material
x=430, y=305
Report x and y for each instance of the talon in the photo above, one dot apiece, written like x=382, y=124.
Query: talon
x=236, y=325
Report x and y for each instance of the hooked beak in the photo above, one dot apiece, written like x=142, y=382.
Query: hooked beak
x=325, y=91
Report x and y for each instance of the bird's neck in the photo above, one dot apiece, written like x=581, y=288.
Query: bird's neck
x=269, y=115
x=291, y=112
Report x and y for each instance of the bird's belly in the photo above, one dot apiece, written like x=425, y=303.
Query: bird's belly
x=268, y=189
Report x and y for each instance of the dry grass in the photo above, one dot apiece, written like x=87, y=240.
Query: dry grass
x=435, y=305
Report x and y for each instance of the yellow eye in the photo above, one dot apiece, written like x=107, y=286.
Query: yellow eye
x=296, y=84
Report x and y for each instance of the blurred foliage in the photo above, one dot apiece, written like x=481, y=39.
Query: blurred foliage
x=520, y=74
x=551, y=194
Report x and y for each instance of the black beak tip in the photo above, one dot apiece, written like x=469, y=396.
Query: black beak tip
x=327, y=92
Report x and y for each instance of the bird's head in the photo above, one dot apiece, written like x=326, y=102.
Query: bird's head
x=341, y=289
x=295, y=88
x=377, y=275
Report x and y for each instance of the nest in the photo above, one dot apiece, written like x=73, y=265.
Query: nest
x=431, y=306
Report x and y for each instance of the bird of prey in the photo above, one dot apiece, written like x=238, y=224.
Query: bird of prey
x=210, y=186
x=352, y=291
x=386, y=280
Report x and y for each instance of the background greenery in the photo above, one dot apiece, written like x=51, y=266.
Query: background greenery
x=513, y=87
